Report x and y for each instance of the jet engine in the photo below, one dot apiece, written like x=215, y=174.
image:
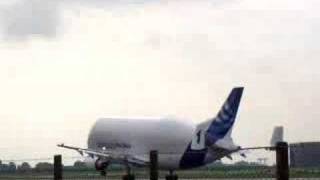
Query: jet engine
x=101, y=164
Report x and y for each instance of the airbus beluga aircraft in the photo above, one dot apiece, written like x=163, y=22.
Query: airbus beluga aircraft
x=179, y=146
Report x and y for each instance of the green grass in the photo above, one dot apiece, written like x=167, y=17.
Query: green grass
x=212, y=173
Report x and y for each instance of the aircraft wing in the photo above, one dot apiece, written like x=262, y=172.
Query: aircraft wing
x=124, y=158
x=259, y=147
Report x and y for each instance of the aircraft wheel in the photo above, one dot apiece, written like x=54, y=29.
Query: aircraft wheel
x=172, y=177
x=175, y=177
x=128, y=177
x=103, y=173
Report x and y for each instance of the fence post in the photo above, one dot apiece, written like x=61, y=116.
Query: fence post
x=153, y=165
x=57, y=168
x=282, y=161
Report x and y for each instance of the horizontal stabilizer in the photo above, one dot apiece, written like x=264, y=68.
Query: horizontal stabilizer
x=277, y=135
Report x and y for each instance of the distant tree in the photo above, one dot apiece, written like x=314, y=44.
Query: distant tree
x=43, y=167
x=242, y=163
x=24, y=167
x=79, y=164
x=12, y=167
x=256, y=164
x=2, y=167
x=217, y=163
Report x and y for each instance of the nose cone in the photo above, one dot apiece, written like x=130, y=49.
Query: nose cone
x=95, y=132
x=106, y=131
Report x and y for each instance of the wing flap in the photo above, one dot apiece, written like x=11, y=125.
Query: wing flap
x=125, y=158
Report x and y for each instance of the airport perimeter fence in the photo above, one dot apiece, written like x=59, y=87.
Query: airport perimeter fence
x=240, y=171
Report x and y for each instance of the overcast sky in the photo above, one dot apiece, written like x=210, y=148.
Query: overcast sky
x=63, y=64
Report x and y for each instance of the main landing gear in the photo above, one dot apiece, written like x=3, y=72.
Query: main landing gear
x=103, y=173
x=171, y=176
x=128, y=176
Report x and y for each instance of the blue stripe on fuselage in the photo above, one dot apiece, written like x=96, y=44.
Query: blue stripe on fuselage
x=193, y=158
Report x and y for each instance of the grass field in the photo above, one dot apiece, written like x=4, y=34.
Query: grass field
x=265, y=173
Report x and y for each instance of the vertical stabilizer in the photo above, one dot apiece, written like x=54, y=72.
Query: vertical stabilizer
x=215, y=131
x=221, y=125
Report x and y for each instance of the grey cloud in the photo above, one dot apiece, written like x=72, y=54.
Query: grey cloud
x=27, y=18
x=30, y=18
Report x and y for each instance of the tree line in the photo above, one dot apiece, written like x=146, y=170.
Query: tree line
x=25, y=167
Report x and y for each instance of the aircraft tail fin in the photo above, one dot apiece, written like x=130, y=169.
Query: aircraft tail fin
x=220, y=127
x=277, y=135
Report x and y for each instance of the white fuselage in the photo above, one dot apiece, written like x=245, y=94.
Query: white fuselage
x=179, y=145
x=138, y=137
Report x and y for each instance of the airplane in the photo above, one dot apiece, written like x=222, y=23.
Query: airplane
x=179, y=146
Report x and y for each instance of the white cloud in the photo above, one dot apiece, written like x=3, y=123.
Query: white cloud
x=179, y=57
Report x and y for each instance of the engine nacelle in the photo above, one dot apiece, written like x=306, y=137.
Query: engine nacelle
x=89, y=162
x=101, y=164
